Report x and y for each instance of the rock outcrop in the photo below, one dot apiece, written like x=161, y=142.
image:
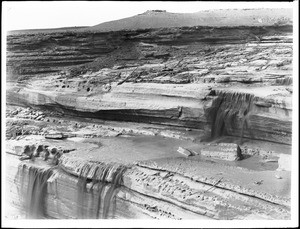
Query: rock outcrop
x=165, y=187
x=172, y=123
x=189, y=89
x=41, y=53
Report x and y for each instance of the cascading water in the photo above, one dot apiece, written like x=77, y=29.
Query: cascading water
x=285, y=81
x=227, y=109
x=33, y=189
x=98, y=184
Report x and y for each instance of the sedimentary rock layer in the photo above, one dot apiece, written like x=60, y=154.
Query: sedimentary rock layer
x=39, y=53
x=215, y=82
x=226, y=81
x=181, y=193
x=100, y=177
x=194, y=106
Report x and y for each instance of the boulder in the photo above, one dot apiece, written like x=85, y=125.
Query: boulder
x=284, y=162
x=186, y=152
x=223, y=151
x=54, y=136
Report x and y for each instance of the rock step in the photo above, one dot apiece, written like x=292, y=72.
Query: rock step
x=155, y=192
x=219, y=112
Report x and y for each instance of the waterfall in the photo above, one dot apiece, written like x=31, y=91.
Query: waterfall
x=98, y=184
x=230, y=112
x=33, y=189
x=285, y=81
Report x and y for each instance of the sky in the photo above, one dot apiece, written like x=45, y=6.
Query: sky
x=54, y=14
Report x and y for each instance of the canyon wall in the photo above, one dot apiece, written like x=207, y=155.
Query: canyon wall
x=176, y=76
x=117, y=105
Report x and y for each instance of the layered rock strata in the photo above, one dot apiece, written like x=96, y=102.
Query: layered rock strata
x=40, y=53
x=163, y=82
x=195, y=106
x=168, y=89
x=157, y=181
x=173, y=188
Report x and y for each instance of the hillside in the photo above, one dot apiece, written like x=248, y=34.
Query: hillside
x=218, y=18
x=153, y=19
x=49, y=30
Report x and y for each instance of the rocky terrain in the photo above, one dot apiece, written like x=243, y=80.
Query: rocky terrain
x=168, y=123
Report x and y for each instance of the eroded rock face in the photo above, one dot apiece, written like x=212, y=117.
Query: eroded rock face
x=39, y=53
x=225, y=113
x=177, y=188
x=124, y=118
x=223, y=88
x=157, y=182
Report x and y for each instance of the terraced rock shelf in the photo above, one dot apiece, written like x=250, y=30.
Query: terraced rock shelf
x=172, y=123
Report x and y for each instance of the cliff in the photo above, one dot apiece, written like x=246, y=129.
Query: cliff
x=169, y=123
